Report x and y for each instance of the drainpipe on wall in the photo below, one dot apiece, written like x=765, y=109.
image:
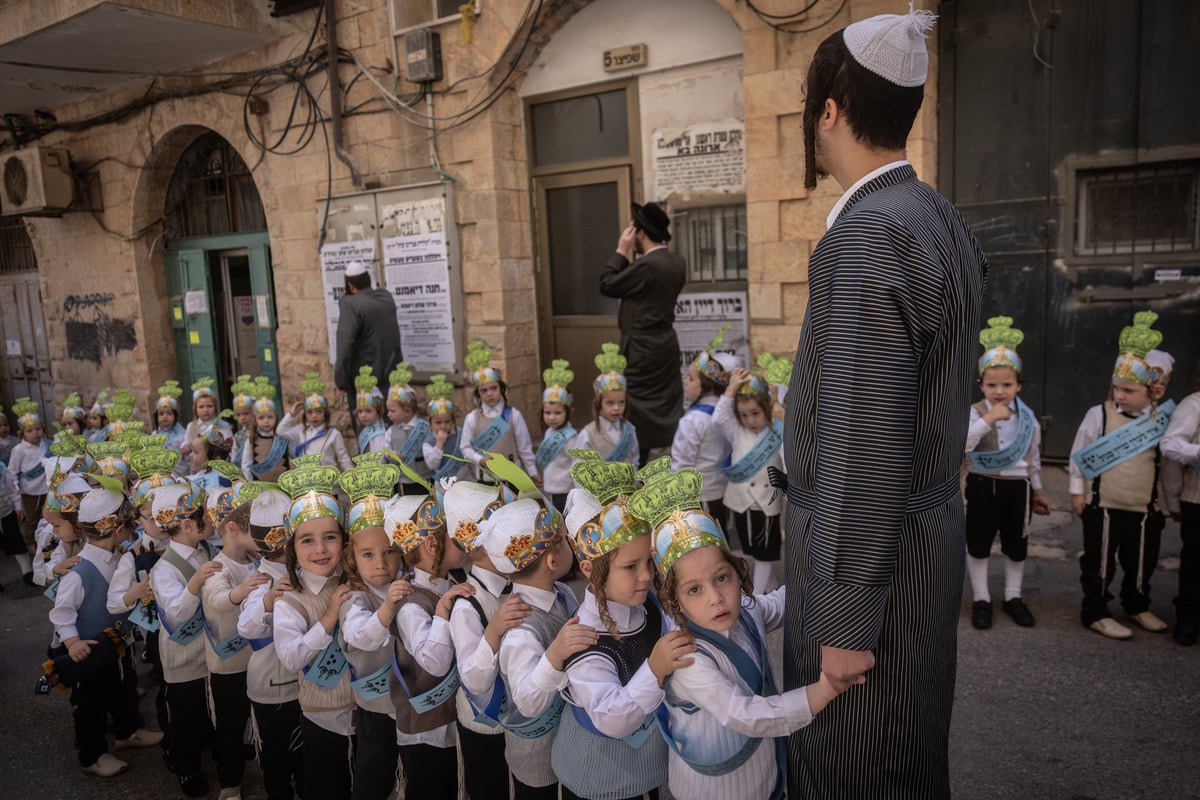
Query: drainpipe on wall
x=335, y=94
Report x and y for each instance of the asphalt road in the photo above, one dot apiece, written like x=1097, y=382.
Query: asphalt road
x=1054, y=712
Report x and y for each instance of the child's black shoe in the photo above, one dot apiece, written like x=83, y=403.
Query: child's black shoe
x=1019, y=612
x=981, y=614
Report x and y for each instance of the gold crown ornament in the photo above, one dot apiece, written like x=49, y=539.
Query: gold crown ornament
x=478, y=360
x=168, y=395
x=558, y=382
x=671, y=505
x=441, y=396
x=242, y=391
x=367, y=387
x=368, y=484
x=398, y=384
x=1000, y=340
x=203, y=387
x=27, y=413
x=611, y=364
x=310, y=485
x=313, y=389
x=1136, y=341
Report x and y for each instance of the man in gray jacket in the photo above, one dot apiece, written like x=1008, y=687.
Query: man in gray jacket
x=367, y=333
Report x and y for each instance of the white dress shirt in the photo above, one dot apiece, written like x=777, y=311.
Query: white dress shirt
x=557, y=476
x=611, y=431
x=71, y=594
x=331, y=446
x=1180, y=447
x=593, y=684
x=532, y=681
x=1030, y=465
x=427, y=640
x=297, y=644
x=176, y=603
x=477, y=662
x=25, y=457
x=699, y=443
x=729, y=707
x=477, y=422
x=254, y=621
x=757, y=493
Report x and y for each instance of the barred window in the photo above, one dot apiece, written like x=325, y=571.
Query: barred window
x=16, y=250
x=212, y=192
x=1147, y=208
x=713, y=240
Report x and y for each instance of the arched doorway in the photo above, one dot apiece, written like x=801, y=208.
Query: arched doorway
x=218, y=264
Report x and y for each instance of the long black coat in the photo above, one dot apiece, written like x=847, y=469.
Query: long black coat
x=876, y=422
x=367, y=335
x=648, y=289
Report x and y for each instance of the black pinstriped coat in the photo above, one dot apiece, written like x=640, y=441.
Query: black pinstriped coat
x=876, y=423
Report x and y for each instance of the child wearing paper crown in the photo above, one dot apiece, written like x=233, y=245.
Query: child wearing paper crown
x=242, y=391
x=495, y=426
x=305, y=621
x=265, y=456
x=166, y=414
x=1116, y=486
x=610, y=434
x=744, y=416
x=1004, y=483
x=525, y=540
x=1181, y=444
x=558, y=435
x=698, y=442
x=427, y=682
x=442, y=447
x=608, y=747
x=73, y=414
x=81, y=618
x=26, y=463
x=307, y=426
x=227, y=652
x=726, y=698
x=96, y=429
x=369, y=410
x=477, y=626
x=273, y=689
x=205, y=415
x=409, y=430
x=176, y=581
x=371, y=564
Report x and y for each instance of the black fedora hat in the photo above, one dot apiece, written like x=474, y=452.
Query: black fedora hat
x=653, y=220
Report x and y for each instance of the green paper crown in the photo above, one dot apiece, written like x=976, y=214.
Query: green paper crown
x=719, y=338
x=131, y=435
x=108, y=449
x=24, y=406
x=252, y=489
x=100, y=398
x=312, y=384
x=478, y=355
x=606, y=480
x=365, y=380
x=366, y=479
x=583, y=455
x=263, y=390
x=776, y=370
x=308, y=475
x=204, y=383
x=439, y=388
x=244, y=385
x=231, y=471
x=156, y=461
x=559, y=373
x=1139, y=338
x=68, y=445
x=401, y=375
x=657, y=467
x=152, y=440
x=1000, y=333
x=666, y=494
x=123, y=406
x=170, y=389
x=72, y=400
x=610, y=359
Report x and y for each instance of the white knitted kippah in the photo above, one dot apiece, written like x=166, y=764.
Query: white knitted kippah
x=582, y=506
x=269, y=509
x=893, y=45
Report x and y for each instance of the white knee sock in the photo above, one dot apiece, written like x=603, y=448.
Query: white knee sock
x=977, y=572
x=1014, y=576
x=762, y=576
x=24, y=562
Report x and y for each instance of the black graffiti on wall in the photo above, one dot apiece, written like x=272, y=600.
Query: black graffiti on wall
x=91, y=332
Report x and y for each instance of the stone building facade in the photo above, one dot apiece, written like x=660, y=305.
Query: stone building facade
x=103, y=266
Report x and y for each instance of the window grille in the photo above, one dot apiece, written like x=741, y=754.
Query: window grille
x=1147, y=208
x=713, y=241
x=212, y=192
x=16, y=250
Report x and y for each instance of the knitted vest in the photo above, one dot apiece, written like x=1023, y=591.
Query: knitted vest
x=180, y=662
x=364, y=663
x=485, y=604
x=600, y=768
x=989, y=443
x=419, y=681
x=222, y=625
x=311, y=607
x=1129, y=486
x=600, y=441
x=529, y=759
x=92, y=616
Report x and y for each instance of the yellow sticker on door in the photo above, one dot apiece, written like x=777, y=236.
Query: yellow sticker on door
x=194, y=337
x=267, y=354
x=178, y=313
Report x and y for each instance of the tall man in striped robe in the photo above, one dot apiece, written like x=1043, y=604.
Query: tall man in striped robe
x=876, y=423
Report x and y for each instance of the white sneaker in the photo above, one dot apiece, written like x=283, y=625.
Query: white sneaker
x=1150, y=621
x=1111, y=628
x=232, y=793
x=106, y=766
x=139, y=738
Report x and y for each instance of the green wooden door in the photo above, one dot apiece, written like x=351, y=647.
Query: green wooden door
x=264, y=312
x=191, y=317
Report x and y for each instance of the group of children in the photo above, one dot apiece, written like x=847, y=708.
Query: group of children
x=1135, y=460
x=394, y=623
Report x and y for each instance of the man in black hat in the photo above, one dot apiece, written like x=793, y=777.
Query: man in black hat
x=647, y=278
